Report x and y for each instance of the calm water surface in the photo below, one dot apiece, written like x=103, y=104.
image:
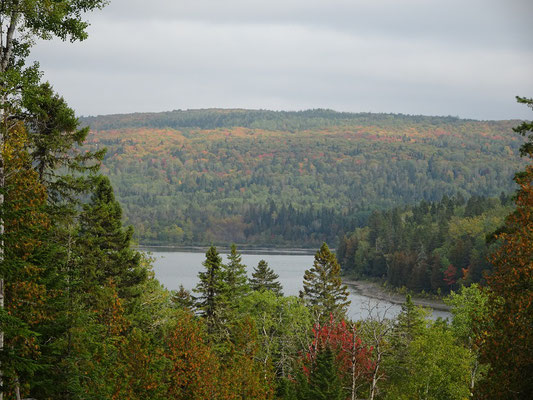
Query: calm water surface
x=175, y=268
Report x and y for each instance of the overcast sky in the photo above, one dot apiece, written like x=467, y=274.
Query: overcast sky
x=465, y=58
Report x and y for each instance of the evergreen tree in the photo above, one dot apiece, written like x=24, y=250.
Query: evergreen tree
x=24, y=266
x=54, y=132
x=264, y=278
x=182, y=298
x=106, y=244
x=410, y=325
x=324, y=382
x=234, y=277
x=323, y=291
x=410, y=322
x=210, y=288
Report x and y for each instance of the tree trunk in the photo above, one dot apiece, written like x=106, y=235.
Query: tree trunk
x=5, y=55
x=2, y=290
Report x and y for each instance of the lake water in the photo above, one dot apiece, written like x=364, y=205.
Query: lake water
x=175, y=268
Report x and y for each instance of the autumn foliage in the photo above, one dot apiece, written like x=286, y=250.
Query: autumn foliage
x=508, y=341
x=353, y=358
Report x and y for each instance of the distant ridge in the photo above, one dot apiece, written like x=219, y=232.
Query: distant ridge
x=290, y=178
x=213, y=118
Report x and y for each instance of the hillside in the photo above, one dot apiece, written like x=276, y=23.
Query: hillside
x=291, y=178
x=431, y=247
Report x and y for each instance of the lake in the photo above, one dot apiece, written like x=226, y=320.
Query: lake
x=174, y=268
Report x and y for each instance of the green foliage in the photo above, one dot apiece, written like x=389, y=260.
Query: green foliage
x=323, y=292
x=425, y=360
x=469, y=310
x=264, y=278
x=234, y=277
x=54, y=132
x=324, y=382
x=182, y=298
x=84, y=317
x=436, y=368
x=283, y=327
x=210, y=288
x=526, y=129
x=291, y=179
x=107, y=245
x=432, y=247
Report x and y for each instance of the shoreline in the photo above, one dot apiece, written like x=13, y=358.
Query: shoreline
x=302, y=251
x=374, y=291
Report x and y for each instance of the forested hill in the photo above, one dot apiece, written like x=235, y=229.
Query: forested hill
x=260, y=119
x=291, y=178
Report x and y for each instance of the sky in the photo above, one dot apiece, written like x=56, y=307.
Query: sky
x=465, y=58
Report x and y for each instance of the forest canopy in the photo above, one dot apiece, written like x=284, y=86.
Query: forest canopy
x=291, y=178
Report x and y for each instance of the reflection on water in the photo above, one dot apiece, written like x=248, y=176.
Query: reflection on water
x=175, y=268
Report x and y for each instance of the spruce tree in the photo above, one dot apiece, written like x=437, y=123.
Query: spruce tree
x=264, y=278
x=182, y=298
x=323, y=291
x=410, y=325
x=106, y=244
x=210, y=288
x=324, y=382
x=234, y=276
x=410, y=322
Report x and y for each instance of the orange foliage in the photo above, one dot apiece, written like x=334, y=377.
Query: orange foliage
x=194, y=367
x=25, y=223
x=508, y=342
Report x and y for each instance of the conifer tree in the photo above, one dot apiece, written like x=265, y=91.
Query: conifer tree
x=410, y=325
x=234, y=276
x=264, y=278
x=183, y=299
x=26, y=294
x=210, y=289
x=106, y=244
x=324, y=382
x=410, y=322
x=323, y=291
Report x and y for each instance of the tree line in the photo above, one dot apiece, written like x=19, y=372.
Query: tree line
x=434, y=247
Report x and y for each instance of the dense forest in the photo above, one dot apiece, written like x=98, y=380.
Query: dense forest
x=291, y=178
x=82, y=316
x=430, y=247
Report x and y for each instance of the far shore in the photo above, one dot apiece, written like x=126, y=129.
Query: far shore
x=375, y=291
x=302, y=251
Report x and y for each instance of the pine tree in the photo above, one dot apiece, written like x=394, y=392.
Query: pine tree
x=54, y=132
x=264, y=278
x=323, y=291
x=210, y=289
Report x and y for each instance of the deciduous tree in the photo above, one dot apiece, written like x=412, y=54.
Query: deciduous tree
x=508, y=340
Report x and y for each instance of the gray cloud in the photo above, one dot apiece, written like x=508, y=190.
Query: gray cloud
x=412, y=56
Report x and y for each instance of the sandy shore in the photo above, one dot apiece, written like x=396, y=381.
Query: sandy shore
x=375, y=291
